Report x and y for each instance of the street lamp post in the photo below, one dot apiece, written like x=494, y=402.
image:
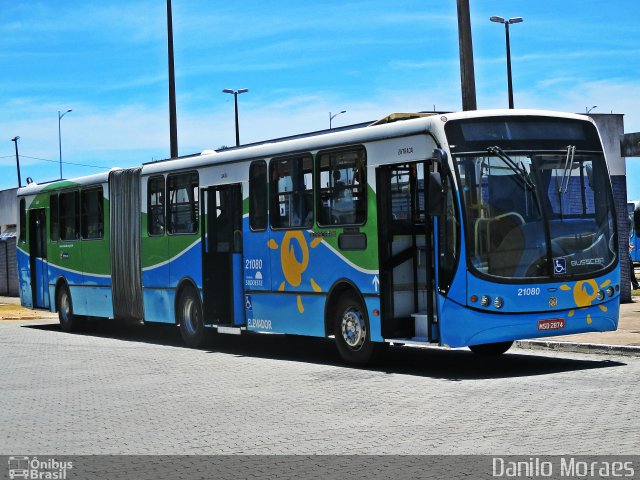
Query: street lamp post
x=15, y=140
x=235, y=94
x=588, y=110
x=506, y=30
x=60, y=138
x=331, y=117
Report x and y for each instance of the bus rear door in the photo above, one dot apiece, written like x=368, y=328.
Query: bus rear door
x=222, y=273
x=38, y=264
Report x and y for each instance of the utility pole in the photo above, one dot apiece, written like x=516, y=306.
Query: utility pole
x=467, y=75
x=173, y=127
x=15, y=140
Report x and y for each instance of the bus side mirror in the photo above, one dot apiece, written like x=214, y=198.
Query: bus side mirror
x=435, y=195
x=439, y=156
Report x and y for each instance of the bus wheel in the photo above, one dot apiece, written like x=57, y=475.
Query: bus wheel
x=351, y=329
x=68, y=321
x=190, y=318
x=488, y=349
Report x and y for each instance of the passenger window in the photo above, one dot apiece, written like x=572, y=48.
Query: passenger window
x=155, y=206
x=54, y=221
x=92, y=214
x=291, y=192
x=23, y=220
x=342, y=186
x=183, y=203
x=69, y=215
x=258, y=195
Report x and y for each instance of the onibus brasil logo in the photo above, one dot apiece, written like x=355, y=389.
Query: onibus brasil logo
x=36, y=469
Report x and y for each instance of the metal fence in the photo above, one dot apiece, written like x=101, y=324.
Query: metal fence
x=8, y=266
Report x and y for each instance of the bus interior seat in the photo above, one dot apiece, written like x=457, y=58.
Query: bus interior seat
x=500, y=226
x=489, y=232
x=575, y=242
x=506, y=256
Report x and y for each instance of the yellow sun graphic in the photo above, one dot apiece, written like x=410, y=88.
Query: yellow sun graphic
x=584, y=293
x=292, y=268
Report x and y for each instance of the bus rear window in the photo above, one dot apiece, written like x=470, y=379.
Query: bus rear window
x=23, y=220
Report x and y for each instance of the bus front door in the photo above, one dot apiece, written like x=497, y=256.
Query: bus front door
x=222, y=255
x=405, y=246
x=38, y=264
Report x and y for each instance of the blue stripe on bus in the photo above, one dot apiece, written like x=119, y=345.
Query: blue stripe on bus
x=187, y=264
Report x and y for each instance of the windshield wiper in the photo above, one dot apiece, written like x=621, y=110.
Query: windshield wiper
x=568, y=164
x=520, y=171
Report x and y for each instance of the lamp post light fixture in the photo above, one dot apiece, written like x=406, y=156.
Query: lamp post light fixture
x=15, y=140
x=588, y=110
x=60, y=138
x=331, y=117
x=235, y=94
x=506, y=30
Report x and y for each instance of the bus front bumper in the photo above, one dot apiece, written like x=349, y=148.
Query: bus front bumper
x=461, y=326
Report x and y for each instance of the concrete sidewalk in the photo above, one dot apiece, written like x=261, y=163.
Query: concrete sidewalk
x=624, y=341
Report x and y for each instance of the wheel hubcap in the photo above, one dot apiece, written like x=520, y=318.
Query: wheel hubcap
x=190, y=316
x=354, y=328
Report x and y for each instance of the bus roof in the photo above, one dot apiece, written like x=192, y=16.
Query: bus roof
x=394, y=125
x=97, y=178
x=389, y=127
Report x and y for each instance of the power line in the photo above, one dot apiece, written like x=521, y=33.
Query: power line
x=66, y=163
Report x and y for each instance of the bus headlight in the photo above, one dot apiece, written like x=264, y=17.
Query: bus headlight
x=485, y=300
x=498, y=302
x=600, y=295
x=610, y=291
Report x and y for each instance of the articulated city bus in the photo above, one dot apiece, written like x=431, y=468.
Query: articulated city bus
x=463, y=229
x=633, y=209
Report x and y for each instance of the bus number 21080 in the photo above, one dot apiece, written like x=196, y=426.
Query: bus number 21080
x=529, y=291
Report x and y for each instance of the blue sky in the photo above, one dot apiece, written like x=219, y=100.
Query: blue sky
x=300, y=60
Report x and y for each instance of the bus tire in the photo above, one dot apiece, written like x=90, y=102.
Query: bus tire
x=68, y=321
x=190, y=318
x=352, y=334
x=491, y=349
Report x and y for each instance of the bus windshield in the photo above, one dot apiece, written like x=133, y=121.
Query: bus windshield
x=536, y=212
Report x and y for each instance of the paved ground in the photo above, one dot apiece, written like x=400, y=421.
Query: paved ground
x=628, y=332
x=136, y=390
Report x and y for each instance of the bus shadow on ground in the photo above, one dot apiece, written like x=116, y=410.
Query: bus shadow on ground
x=453, y=365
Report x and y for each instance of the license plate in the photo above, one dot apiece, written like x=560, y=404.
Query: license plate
x=551, y=324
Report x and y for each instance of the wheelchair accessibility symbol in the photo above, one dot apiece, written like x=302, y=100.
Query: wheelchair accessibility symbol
x=247, y=302
x=559, y=266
